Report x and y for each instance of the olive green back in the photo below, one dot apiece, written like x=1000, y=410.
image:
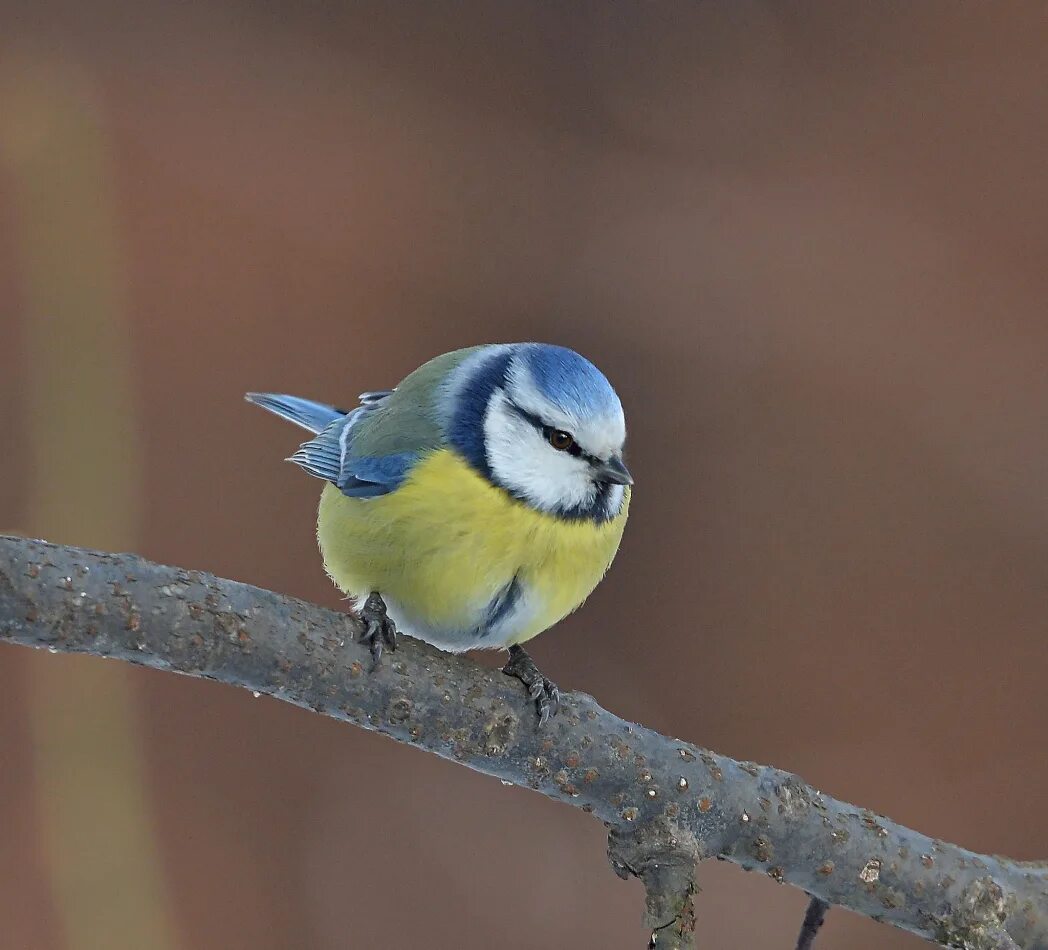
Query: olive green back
x=409, y=420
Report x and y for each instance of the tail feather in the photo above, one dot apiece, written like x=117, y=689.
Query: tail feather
x=313, y=416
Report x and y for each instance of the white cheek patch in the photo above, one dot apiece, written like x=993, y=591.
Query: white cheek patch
x=525, y=463
x=616, y=495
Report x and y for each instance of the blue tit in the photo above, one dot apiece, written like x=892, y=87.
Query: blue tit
x=477, y=503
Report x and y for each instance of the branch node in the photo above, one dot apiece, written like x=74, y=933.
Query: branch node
x=663, y=856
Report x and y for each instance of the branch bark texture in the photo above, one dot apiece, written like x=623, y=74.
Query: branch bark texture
x=667, y=803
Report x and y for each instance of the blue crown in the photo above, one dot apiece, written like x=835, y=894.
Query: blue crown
x=570, y=381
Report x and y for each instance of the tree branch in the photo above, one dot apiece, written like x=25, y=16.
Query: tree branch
x=667, y=803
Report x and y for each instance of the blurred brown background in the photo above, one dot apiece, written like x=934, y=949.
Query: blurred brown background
x=807, y=242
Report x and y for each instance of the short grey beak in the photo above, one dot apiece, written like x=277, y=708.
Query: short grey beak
x=613, y=472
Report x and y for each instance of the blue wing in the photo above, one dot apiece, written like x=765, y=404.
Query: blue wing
x=314, y=416
x=329, y=454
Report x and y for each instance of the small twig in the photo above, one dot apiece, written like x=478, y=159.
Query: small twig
x=814, y=918
x=670, y=906
x=666, y=866
x=630, y=777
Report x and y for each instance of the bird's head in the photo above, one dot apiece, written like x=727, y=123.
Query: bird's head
x=544, y=424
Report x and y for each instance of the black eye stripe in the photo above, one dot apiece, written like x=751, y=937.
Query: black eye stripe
x=528, y=417
x=547, y=430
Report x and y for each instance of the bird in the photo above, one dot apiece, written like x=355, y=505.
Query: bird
x=476, y=504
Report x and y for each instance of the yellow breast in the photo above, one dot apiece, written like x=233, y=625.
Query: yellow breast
x=445, y=543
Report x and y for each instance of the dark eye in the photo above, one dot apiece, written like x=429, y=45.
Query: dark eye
x=561, y=440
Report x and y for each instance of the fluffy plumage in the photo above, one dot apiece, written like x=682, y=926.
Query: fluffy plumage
x=484, y=497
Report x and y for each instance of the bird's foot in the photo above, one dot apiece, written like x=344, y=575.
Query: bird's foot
x=543, y=692
x=379, y=631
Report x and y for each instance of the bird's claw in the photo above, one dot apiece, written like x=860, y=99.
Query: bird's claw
x=543, y=692
x=379, y=630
